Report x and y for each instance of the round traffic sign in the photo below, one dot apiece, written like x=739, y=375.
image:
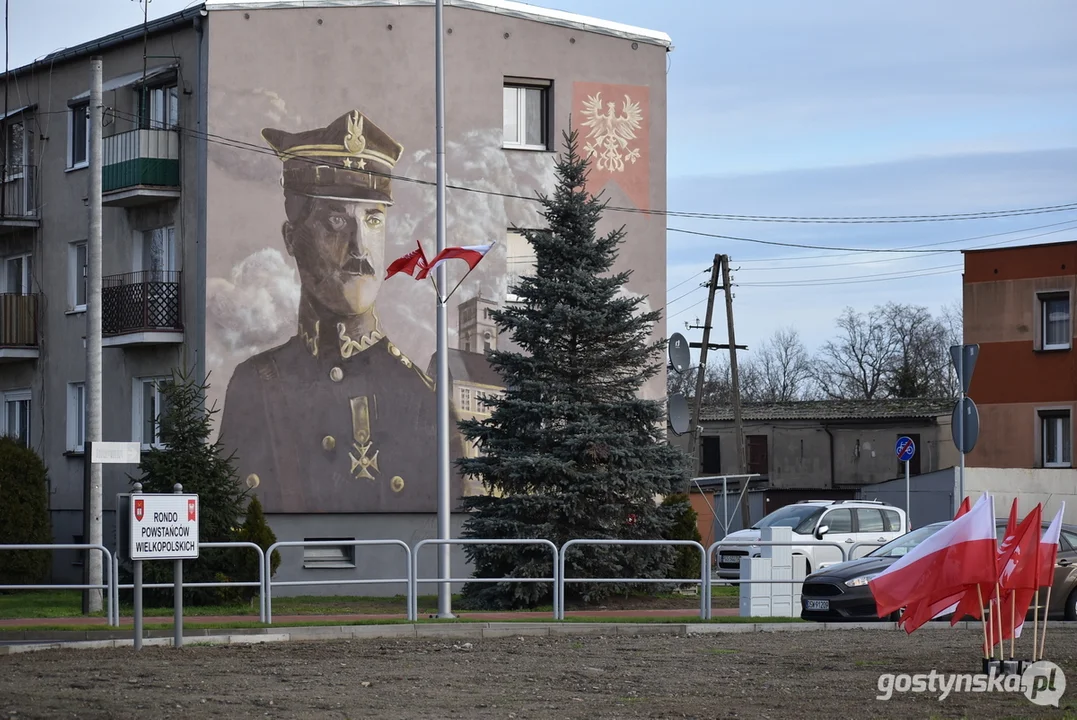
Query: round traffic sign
x=905, y=448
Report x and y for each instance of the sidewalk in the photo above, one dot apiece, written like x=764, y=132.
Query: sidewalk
x=80, y=621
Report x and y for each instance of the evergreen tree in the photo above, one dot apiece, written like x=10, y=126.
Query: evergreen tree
x=571, y=450
x=255, y=529
x=687, y=563
x=24, y=514
x=188, y=458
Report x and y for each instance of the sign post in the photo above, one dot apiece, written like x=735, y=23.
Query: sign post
x=965, y=423
x=905, y=450
x=108, y=453
x=158, y=526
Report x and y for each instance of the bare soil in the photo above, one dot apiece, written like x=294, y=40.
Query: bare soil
x=821, y=674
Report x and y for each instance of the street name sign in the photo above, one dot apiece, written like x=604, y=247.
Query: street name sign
x=163, y=526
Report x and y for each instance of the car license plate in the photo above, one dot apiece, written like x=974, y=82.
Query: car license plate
x=816, y=604
x=730, y=559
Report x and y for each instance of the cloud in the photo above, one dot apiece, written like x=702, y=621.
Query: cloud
x=238, y=118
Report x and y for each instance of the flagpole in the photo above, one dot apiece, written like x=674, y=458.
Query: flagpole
x=442, y=380
x=998, y=614
x=1013, y=622
x=983, y=619
x=1043, y=639
x=1035, y=622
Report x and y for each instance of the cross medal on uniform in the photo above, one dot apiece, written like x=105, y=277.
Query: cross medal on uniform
x=362, y=465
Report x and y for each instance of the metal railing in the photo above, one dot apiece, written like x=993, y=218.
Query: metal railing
x=140, y=157
x=19, y=193
x=413, y=607
x=19, y=320
x=141, y=301
x=112, y=609
x=268, y=575
x=704, y=600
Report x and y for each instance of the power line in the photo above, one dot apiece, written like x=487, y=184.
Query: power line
x=870, y=219
x=856, y=280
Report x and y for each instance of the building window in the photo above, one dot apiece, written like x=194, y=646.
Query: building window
x=14, y=149
x=78, y=136
x=1056, y=440
x=76, y=276
x=157, y=253
x=328, y=556
x=76, y=417
x=465, y=399
x=16, y=419
x=526, y=121
x=1055, y=321
x=758, y=457
x=711, y=455
x=520, y=262
x=149, y=408
x=163, y=111
x=18, y=273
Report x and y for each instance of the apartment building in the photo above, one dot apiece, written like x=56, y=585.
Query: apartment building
x=263, y=163
x=1019, y=308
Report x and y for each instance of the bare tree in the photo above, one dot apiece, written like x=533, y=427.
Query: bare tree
x=922, y=351
x=783, y=367
x=856, y=363
x=952, y=319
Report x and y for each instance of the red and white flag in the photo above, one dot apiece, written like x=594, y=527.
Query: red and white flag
x=414, y=260
x=471, y=254
x=1019, y=578
x=962, y=553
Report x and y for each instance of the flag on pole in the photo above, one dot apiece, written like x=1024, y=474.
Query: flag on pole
x=962, y=553
x=414, y=260
x=1049, y=548
x=969, y=605
x=471, y=254
x=1019, y=578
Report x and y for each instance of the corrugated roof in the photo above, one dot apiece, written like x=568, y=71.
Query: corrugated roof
x=500, y=7
x=472, y=367
x=888, y=409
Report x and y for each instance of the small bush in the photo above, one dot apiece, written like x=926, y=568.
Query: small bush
x=686, y=563
x=24, y=514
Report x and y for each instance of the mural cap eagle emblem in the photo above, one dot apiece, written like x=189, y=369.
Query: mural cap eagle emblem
x=351, y=158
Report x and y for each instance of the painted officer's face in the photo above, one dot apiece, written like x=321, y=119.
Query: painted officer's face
x=339, y=247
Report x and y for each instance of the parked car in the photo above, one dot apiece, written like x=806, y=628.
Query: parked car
x=842, y=521
x=841, y=592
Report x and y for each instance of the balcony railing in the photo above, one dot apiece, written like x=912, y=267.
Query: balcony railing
x=18, y=321
x=146, y=301
x=140, y=158
x=18, y=193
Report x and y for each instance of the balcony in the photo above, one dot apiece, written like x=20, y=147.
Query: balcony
x=19, y=206
x=19, y=335
x=141, y=308
x=140, y=167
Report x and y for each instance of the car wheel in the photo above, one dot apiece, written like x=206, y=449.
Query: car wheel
x=1071, y=606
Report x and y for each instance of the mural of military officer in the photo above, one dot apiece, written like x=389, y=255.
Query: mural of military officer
x=337, y=419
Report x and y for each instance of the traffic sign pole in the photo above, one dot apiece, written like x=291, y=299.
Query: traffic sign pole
x=177, y=598
x=905, y=449
x=138, y=587
x=964, y=359
x=908, y=507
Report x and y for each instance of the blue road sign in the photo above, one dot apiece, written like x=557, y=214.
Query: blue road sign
x=905, y=448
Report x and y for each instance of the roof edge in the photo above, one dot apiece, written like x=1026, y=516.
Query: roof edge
x=154, y=27
x=509, y=8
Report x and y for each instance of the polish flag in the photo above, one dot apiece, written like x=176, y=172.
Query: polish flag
x=1049, y=549
x=416, y=259
x=962, y=553
x=471, y=254
x=1019, y=578
x=969, y=604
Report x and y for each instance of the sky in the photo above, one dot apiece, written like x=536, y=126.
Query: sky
x=831, y=108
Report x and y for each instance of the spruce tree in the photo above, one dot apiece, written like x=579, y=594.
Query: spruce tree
x=571, y=450
x=188, y=458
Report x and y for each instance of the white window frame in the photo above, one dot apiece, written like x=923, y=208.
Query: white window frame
x=1044, y=299
x=466, y=401
x=141, y=236
x=27, y=273
x=1051, y=423
x=137, y=419
x=76, y=399
x=16, y=396
x=83, y=107
x=75, y=275
x=160, y=115
x=520, y=141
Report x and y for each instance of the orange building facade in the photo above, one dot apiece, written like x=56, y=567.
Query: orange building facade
x=1018, y=306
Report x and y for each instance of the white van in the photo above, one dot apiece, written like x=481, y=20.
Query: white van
x=842, y=521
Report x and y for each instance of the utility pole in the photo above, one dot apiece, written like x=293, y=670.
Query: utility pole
x=92, y=513
x=701, y=371
x=442, y=380
x=738, y=423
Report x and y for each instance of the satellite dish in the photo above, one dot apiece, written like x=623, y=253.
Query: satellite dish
x=679, y=356
x=678, y=413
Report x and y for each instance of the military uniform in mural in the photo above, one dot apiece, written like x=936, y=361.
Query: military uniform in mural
x=337, y=419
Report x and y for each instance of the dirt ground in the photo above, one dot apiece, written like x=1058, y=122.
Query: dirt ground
x=821, y=674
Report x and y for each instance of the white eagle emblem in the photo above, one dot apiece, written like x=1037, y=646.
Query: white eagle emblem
x=611, y=132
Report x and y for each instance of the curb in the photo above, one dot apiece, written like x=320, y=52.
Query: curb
x=469, y=631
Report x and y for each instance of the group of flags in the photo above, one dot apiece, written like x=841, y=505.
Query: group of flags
x=962, y=569
x=416, y=264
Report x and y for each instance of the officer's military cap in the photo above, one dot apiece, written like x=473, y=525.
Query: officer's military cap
x=350, y=159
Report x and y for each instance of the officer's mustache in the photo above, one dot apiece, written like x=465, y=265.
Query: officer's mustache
x=358, y=266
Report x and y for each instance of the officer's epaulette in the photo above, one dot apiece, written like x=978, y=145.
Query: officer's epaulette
x=395, y=352
x=266, y=367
